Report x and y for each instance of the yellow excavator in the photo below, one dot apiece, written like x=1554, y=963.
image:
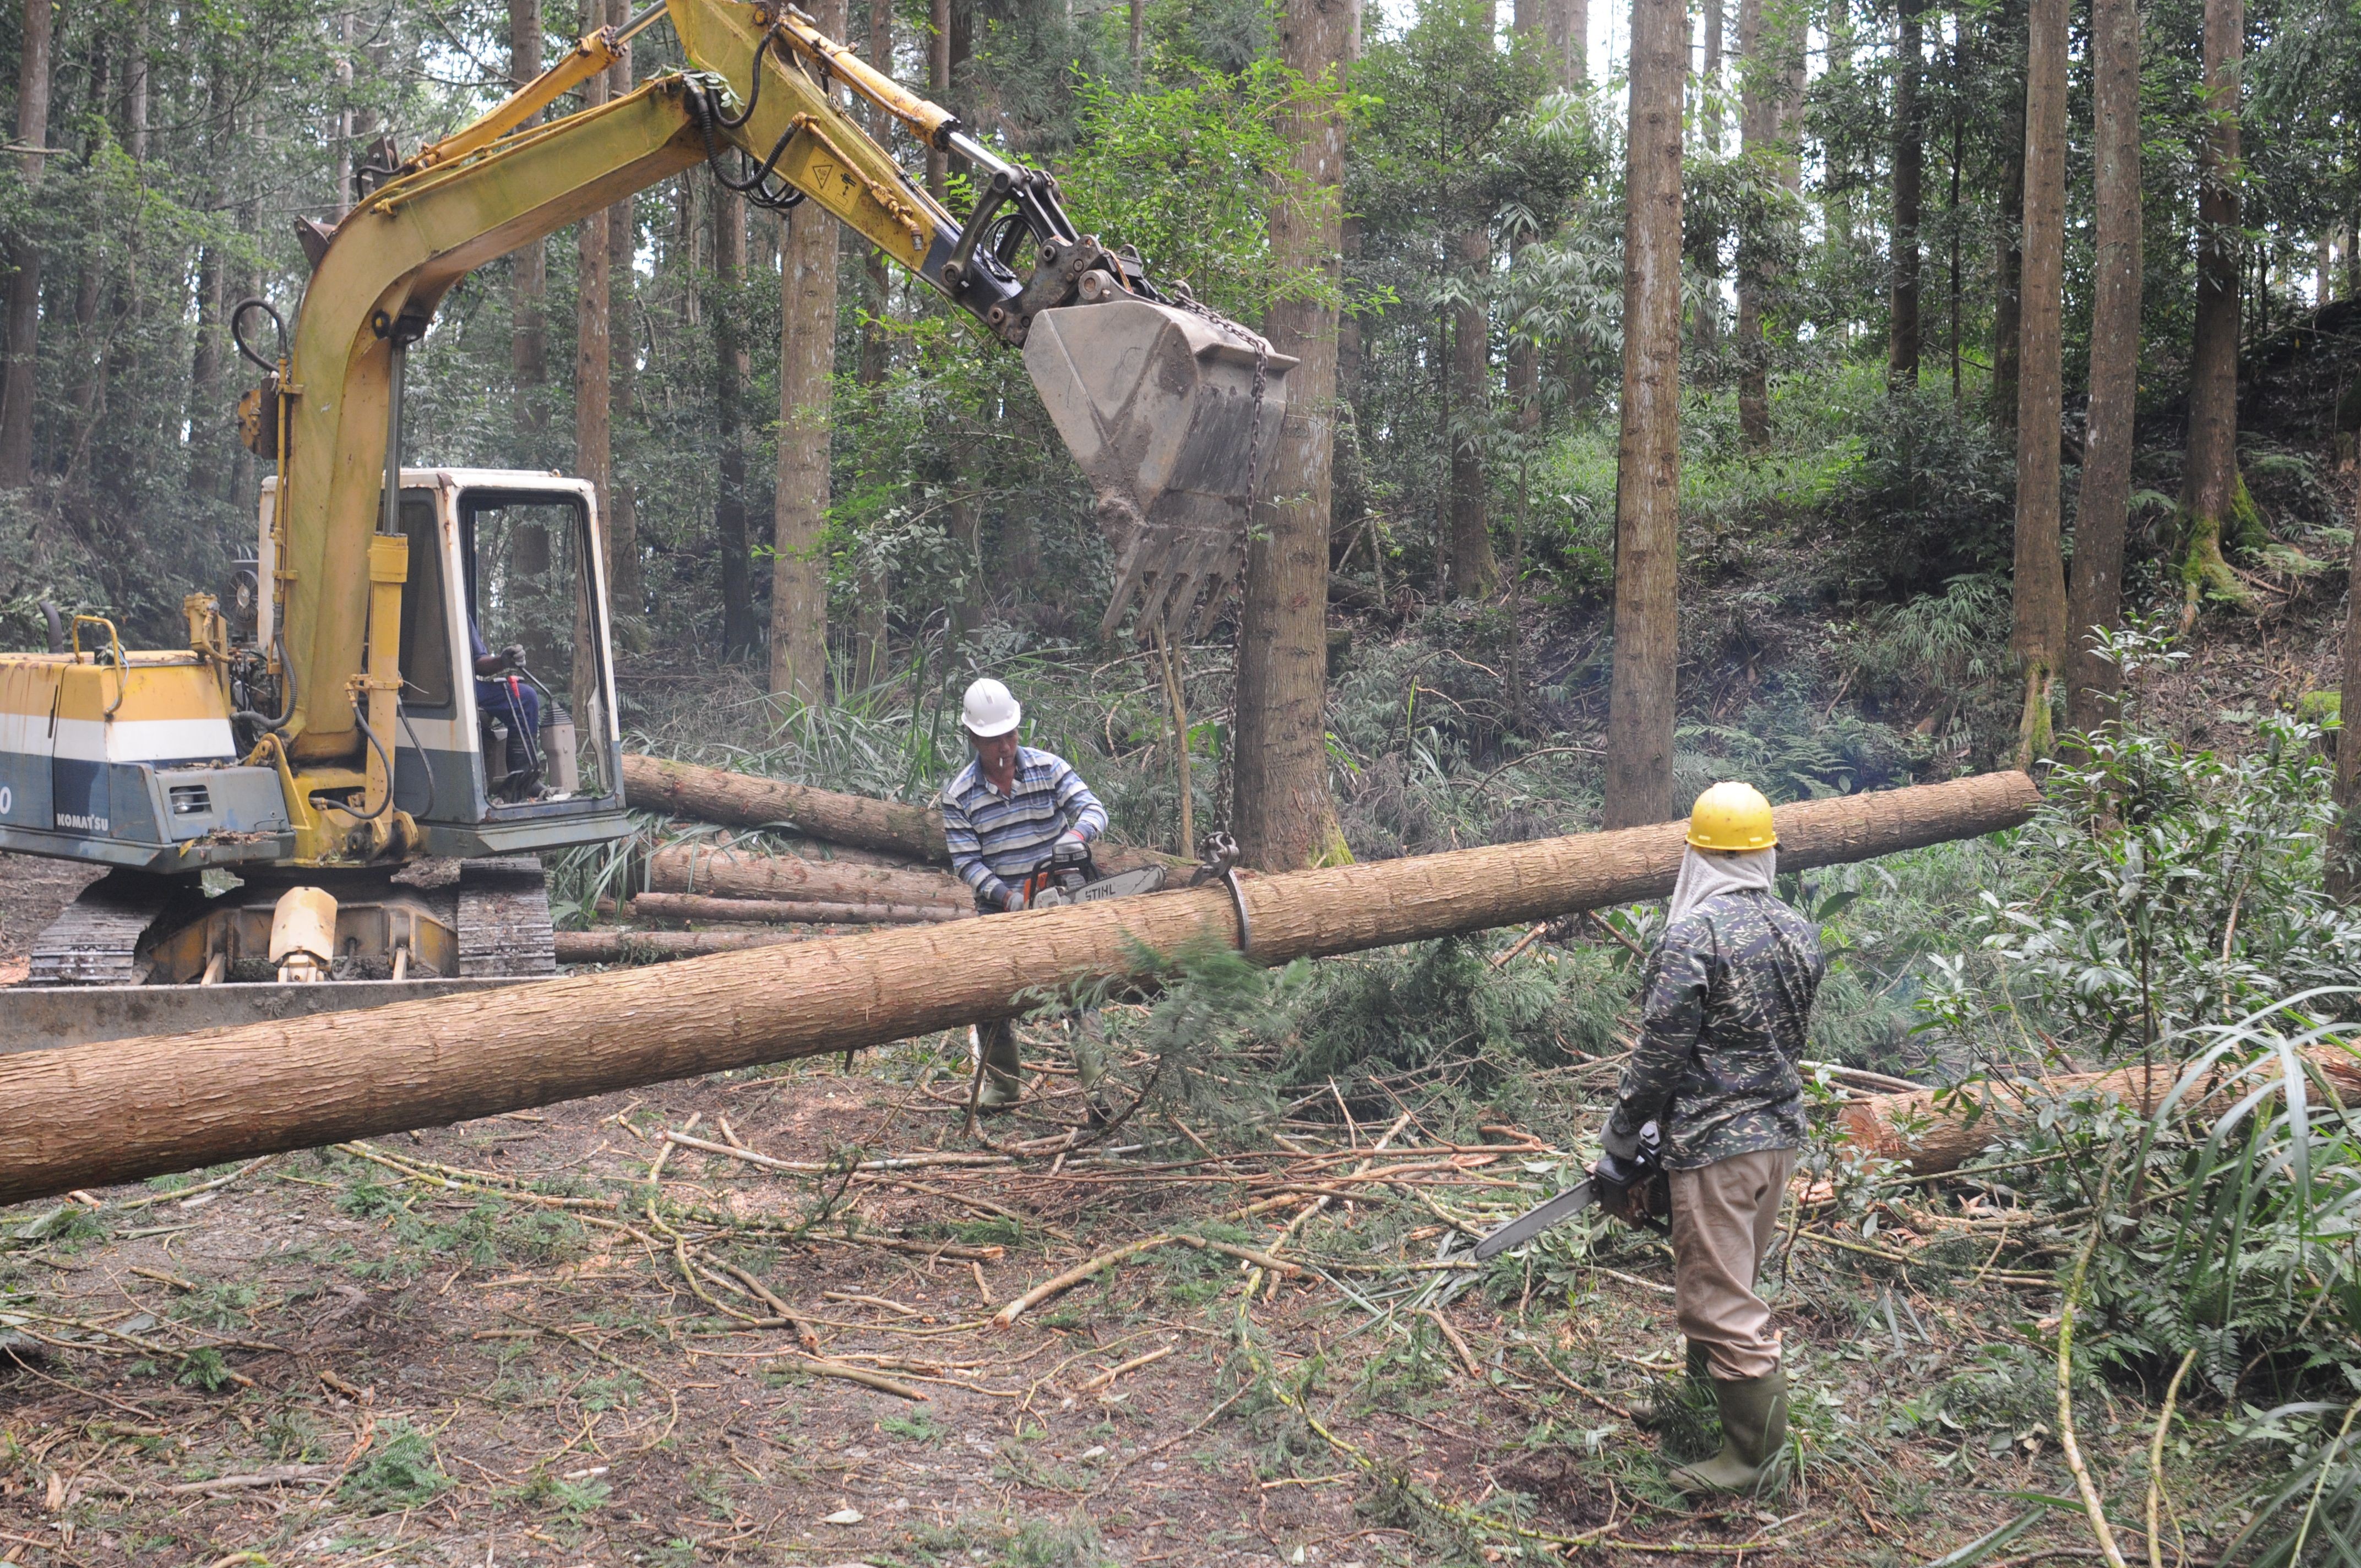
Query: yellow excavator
x=410, y=695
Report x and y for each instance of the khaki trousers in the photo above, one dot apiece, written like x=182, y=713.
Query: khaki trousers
x=1725, y=1216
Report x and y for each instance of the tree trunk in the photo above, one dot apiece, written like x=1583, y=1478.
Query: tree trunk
x=1937, y=1130
x=1909, y=187
x=18, y=384
x=1281, y=812
x=2345, y=849
x=743, y=800
x=1474, y=570
x=529, y=344
x=593, y=451
x=731, y=365
x=734, y=873
x=136, y=120
x=2096, y=592
x=626, y=594
x=2213, y=490
x=1568, y=22
x=807, y=363
x=2039, y=634
x=872, y=647
x=939, y=84
x=1758, y=114
x=1648, y=459
x=90, y=1116
x=695, y=906
x=208, y=437
x=2008, y=244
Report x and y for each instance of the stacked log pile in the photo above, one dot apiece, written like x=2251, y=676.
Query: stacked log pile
x=855, y=861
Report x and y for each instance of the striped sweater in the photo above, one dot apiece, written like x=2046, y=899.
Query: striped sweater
x=996, y=839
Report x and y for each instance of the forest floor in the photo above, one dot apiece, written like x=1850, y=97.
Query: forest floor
x=555, y=1337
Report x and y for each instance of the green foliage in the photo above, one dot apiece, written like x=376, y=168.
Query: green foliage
x=398, y=1472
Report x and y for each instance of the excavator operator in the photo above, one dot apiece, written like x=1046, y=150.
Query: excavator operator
x=1007, y=811
x=1728, y=994
x=508, y=697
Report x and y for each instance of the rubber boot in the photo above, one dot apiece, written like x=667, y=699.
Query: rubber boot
x=1753, y=1430
x=1652, y=1413
x=1004, y=1081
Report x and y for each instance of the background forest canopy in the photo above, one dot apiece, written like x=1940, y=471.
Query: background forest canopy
x=1481, y=279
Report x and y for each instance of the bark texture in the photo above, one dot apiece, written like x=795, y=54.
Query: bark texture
x=16, y=386
x=1758, y=133
x=807, y=363
x=529, y=346
x=1932, y=1134
x=2095, y=595
x=2039, y=635
x=731, y=365
x=1902, y=352
x=772, y=911
x=728, y=873
x=2008, y=253
x=593, y=426
x=626, y=593
x=1647, y=463
x=2345, y=858
x=2212, y=467
x=742, y=800
x=612, y=947
x=1280, y=810
x=95, y=1115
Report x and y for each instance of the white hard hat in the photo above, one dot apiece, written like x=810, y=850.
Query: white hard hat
x=990, y=709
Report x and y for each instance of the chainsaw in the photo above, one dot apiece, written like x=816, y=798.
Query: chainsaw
x=1610, y=1185
x=1069, y=876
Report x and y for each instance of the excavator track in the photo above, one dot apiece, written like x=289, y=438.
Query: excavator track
x=96, y=940
x=504, y=927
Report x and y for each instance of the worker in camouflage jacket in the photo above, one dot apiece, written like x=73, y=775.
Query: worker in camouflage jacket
x=1729, y=999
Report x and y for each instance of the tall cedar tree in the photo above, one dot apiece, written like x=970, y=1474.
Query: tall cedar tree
x=593, y=428
x=24, y=254
x=2096, y=592
x=528, y=348
x=1283, y=816
x=1648, y=459
x=2213, y=488
x=624, y=592
x=2039, y=634
x=731, y=365
x=806, y=364
x=871, y=653
x=1758, y=129
x=2345, y=851
x=2008, y=239
x=1909, y=189
x=1474, y=570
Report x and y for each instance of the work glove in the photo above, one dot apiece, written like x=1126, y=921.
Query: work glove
x=1072, y=850
x=512, y=656
x=1623, y=1146
x=1012, y=898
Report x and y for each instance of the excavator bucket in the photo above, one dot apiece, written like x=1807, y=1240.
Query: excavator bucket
x=1174, y=417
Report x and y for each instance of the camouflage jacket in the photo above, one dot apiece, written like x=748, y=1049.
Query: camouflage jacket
x=1729, y=991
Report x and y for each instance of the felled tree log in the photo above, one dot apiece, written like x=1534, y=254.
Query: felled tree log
x=1931, y=1132
x=94, y=1115
x=739, y=873
x=610, y=946
x=742, y=800
x=691, y=906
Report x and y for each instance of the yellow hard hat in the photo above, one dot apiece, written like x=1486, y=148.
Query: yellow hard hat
x=1731, y=815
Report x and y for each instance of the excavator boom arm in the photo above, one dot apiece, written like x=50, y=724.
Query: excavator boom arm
x=1167, y=408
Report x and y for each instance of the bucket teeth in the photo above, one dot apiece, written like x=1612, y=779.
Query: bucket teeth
x=1174, y=417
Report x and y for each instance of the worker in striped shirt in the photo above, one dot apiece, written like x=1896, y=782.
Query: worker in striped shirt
x=1007, y=811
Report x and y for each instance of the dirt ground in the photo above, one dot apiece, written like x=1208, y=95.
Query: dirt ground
x=557, y=1337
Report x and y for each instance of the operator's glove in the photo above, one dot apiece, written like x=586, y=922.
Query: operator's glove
x=512, y=656
x=1013, y=898
x=1623, y=1146
x=1626, y=1173
x=1071, y=850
